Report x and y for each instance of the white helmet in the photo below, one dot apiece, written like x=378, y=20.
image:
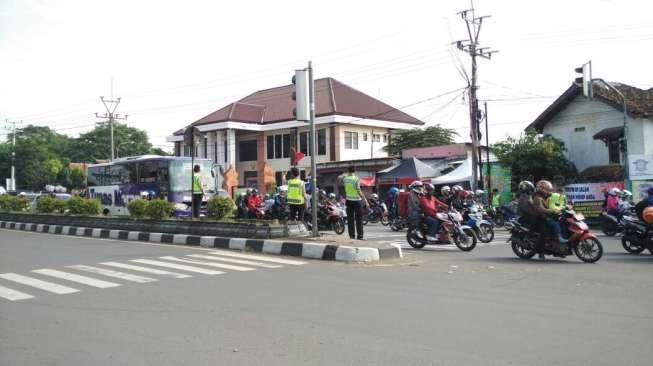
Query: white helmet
x=626, y=193
x=445, y=190
x=457, y=188
x=614, y=191
x=375, y=196
x=416, y=186
x=479, y=192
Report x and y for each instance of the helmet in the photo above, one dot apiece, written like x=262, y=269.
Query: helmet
x=254, y=191
x=152, y=194
x=479, y=192
x=375, y=196
x=465, y=194
x=626, y=193
x=249, y=191
x=429, y=187
x=416, y=186
x=649, y=191
x=614, y=191
x=647, y=215
x=393, y=190
x=526, y=186
x=456, y=188
x=332, y=196
x=445, y=190
x=144, y=194
x=544, y=186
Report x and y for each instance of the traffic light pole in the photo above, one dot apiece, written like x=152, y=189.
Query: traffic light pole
x=316, y=193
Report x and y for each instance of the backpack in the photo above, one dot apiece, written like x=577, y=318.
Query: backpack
x=402, y=203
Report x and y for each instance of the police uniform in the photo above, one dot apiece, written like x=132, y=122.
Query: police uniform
x=295, y=198
x=354, y=202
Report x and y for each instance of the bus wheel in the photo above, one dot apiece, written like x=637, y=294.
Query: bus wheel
x=105, y=212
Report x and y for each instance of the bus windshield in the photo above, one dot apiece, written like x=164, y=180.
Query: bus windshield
x=180, y=175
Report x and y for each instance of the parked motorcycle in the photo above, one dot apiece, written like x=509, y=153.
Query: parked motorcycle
x=483, y=229
x=638, y=235
x=581, y=242
x=450, y=227
x=329, y=217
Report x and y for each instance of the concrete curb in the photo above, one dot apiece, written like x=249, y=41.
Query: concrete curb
x=297, y=249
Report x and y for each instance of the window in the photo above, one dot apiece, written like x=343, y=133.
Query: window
x=225, y=150
x=177, y=149
x=364, y=136
x=278, y=178
x=270, y=147
x=122, y=174
x=579, y=129
x=278, y=147
x=613, y=152
x=153, y=172
x=376, y=138
x=96, y=176
x=303, y=143
x=351, y=140
x=215, y=151
x=321, y=142
x=247, y=150
x=385, y=138
x=206, y=148
x=286, y=145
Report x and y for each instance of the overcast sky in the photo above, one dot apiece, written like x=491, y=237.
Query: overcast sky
x=173, y=62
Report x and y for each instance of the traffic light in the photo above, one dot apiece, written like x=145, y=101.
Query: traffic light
x=302, y=110
x=585, y=79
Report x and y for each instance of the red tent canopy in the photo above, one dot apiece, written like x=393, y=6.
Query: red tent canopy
x=367, y=181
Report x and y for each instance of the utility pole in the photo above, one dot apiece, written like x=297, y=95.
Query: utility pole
x=316, y=193
x=472, y=47
x=111, y=105
x=11, y=185
x=487, y=150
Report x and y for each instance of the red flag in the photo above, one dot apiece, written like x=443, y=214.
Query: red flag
x=296, y=156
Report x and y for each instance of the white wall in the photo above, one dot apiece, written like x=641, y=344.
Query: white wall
x=594, y=116
x=366, y=149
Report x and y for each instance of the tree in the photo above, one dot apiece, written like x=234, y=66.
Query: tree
x=77, y=178
x=159, y=151
x=430, y=136
x=96, y=144
x=534, y=157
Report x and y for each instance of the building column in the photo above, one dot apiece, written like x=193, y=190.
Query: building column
x=220, y=150
x=261, y=162
x=231, y=148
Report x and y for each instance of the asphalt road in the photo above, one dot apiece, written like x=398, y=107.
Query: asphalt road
x=436, y=307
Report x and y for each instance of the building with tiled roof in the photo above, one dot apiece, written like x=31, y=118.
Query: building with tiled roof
x=254, y=135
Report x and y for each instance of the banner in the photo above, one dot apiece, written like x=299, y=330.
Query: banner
x=641, y=167
x=639, y=189
x=582, y=192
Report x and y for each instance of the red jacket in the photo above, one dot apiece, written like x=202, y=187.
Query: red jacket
x=253, y=201
x=430, y=205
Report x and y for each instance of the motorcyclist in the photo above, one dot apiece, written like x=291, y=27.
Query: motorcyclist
x=531, y=216
x=645, y=205
x=612, y=203
x=479, y=197
x=430, y=205
x=445, y=194
x=391, y=201
x=414, y=208
x=543, y=190
x=457, y=199
x=253, y=201
x=557, y=200
x=625, y=201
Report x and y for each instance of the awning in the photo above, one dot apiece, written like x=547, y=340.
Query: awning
x=463, y=173
x=367, y=181
x=611, y=133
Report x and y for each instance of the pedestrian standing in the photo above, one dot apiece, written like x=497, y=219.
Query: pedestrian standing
x=296, y=196
x=355, y=202
x=198, y=191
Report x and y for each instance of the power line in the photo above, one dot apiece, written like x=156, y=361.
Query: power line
x=111, y=105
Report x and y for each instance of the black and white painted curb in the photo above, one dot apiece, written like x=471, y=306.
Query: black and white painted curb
x=306, y=250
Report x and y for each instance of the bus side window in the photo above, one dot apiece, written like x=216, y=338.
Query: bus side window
x=95, y=176
x=149, y=172
x=130, y=175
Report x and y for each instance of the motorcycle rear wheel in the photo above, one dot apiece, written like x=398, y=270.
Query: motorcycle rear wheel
x=413, y=240
x=608, y=227
x=630, y=246
x=499, y=221
x=520, y=250
x=466, y=241
x=394, y=226
x=485, y=233
x=589, y=250
x=338, y=225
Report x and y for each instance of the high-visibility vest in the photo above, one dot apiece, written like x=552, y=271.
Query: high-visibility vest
x=295, y=195
x=556, y=201
x=496, y=200
x=197, y=185
x=351, y=187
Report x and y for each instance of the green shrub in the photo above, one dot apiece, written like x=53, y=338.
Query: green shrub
x=13, y=203
x=159, y=209
x=219, y=207
x=48, y=204
x=83, y=206
x=137, y=207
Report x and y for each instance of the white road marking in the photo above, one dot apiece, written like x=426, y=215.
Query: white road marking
x=146, y=270
x=178, y=266
x=39, y=284
x=112, y=273
x=13, y=295
x=258, y=257
x=210, y=264
x=238, y=261
x=76, y=278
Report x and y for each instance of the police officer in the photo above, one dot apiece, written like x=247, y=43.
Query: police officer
x=355, y=202
x=296, y=196
x=198, y=191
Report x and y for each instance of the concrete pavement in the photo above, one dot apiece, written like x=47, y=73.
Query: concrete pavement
x=441, y=307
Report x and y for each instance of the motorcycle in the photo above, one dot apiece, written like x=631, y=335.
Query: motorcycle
x=483, y=229
x=610, y=224
x=638, y=235
x=398, y=223
x=377, y=213
x=329, y=217
x=581, y=242
x=450, y=226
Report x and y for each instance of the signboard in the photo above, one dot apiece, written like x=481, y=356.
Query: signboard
x=640, y=167
x=639, y=189
x=590, y=209
x=499, y=178
x=583, y=192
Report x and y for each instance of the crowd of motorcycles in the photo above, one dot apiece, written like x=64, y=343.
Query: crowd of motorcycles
x=475, y=221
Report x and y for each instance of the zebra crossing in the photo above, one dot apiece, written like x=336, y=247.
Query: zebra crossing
x=399, y=239
x=106, y=275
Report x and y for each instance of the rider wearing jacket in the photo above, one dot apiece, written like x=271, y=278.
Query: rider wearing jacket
x=531, y=215
x=429, y=205
x=644, y=203
x=542, y=193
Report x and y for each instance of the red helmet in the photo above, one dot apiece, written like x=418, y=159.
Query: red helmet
x=465, y=194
